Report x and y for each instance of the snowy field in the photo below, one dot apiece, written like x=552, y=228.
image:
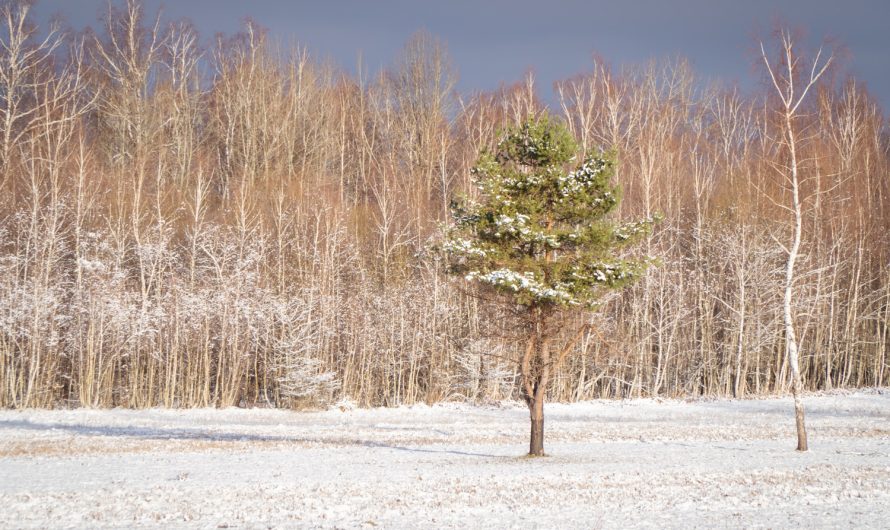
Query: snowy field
x=613, y=464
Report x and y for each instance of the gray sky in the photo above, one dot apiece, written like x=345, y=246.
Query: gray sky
x=496, y=41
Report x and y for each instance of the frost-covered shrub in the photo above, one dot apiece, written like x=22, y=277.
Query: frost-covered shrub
x=303, y=377
x=480, y=372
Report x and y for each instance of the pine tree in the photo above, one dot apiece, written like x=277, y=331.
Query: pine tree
x=539, y=237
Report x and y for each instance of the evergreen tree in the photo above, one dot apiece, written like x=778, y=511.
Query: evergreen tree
x=539, y=238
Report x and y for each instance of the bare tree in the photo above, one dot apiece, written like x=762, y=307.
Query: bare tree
x=190, y=228
x=791, y=98
x=23, y=61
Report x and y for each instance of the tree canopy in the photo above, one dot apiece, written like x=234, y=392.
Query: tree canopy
x=540, y=229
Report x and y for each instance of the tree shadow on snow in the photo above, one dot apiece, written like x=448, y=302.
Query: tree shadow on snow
x=176, y=434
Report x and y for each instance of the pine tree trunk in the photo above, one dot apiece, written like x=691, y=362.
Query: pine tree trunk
x=535, y=368
x=536, y=403
x=536, y=411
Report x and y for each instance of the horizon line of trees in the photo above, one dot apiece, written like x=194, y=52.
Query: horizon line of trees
x=244, y=225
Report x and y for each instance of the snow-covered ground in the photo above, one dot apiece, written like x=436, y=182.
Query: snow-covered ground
x=613, y=464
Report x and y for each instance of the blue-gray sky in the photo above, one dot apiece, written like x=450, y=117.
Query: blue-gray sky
x=496, y=41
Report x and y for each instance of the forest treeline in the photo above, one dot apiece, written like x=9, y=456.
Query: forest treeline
x=189, y=223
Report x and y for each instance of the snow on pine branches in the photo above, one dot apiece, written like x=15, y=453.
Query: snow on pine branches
x=540, y=235
x=540, y=231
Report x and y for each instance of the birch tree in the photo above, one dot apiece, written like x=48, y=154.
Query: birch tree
x=791, y=96
x=23, y=60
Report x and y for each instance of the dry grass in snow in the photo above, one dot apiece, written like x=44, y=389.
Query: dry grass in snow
x=613, y=464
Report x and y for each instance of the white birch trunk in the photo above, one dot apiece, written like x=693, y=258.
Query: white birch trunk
x=791, y=349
